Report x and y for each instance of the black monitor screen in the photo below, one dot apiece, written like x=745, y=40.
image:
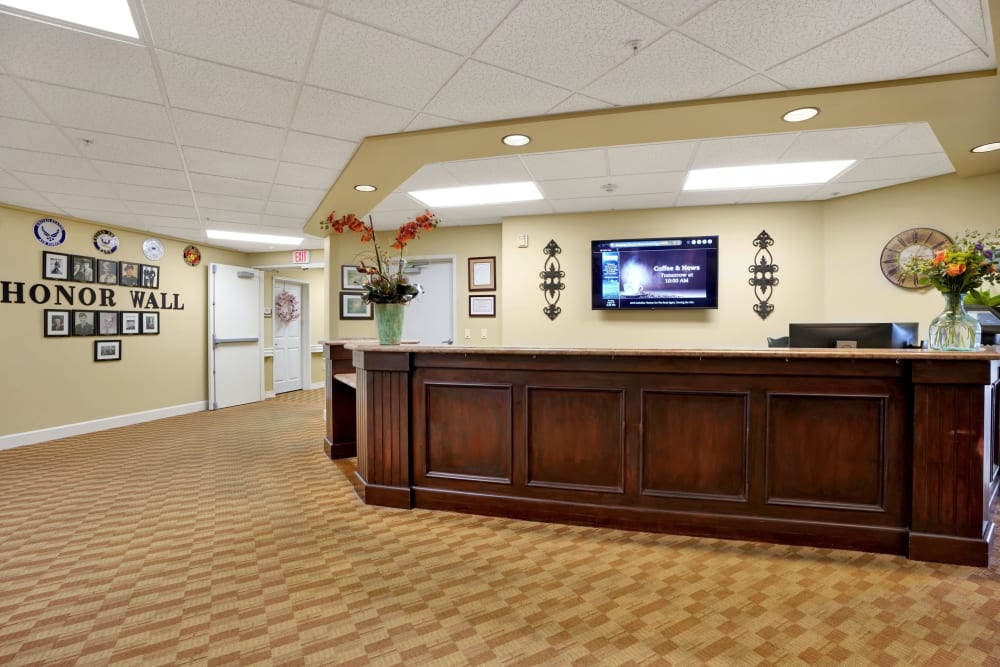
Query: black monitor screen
x=646, y=274
x=863, y=334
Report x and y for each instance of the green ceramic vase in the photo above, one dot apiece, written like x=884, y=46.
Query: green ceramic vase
x=389, y=322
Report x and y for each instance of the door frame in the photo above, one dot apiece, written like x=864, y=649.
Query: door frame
x=453, y=260
x=305, y=345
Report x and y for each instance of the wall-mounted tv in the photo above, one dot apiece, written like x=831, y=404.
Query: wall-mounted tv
x=646, y=274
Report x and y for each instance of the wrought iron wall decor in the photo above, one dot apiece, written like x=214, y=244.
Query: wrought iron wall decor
x=763, y=270
x=552, y=276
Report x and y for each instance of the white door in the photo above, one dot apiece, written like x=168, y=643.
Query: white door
x=287, y=338
x=235, y=340
x=430, y=317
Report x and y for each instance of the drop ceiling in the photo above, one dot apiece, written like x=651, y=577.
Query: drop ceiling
x=261, y=116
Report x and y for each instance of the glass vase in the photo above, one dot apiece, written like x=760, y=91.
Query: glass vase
x=389, y=322
x=954, y=329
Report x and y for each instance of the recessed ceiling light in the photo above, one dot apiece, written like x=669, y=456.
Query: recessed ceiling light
x=517, y=140
x=365, y=188
x=252, y=238
x=799, y=115
x=478, y=195
x=765, y=175
x=109, y=15
x=986, y=148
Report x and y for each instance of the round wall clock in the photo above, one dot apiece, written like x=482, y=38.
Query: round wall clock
x=916, y=242
x=105, y=241
x=152, y=249
x=192, y=255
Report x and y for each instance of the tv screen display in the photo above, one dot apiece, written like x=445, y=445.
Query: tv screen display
x=646, y=274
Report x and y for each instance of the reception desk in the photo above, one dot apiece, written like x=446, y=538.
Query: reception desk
x=891, y=451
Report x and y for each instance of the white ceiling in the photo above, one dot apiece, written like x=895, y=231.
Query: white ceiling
x=240, y=114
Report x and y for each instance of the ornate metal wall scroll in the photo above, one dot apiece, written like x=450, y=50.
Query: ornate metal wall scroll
x=763, y=271
x=552, y=276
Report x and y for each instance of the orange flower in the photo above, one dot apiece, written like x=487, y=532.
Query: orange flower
x=939, y=257
x=955, y=269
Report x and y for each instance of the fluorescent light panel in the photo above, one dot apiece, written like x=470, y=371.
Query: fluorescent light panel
x=107, y=15
x=478, y=195
x=252, y=238
x=765, y=175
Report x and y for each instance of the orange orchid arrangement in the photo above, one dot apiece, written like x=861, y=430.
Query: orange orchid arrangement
x=384, y=280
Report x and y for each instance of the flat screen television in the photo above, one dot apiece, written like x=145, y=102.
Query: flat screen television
x=860, y=334
x=648, y=274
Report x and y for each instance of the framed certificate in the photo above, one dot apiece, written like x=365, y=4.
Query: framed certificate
x=482, y=274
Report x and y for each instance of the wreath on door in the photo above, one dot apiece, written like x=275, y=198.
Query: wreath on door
x=287, y=307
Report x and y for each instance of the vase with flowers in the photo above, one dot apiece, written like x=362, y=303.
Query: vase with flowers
x=385, y=283
x=955, y=271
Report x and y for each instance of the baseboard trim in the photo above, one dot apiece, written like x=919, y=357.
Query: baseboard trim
x=80, y=428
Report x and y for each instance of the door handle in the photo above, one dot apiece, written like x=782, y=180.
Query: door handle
x=447, y=342
x=221, y=341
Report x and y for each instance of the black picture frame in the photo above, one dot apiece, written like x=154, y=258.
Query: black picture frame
x=128, y=274
x=353, y=307
x=482, y=274
x=84, y=322
x=81, y=269
x=107, y=271
x=107, y=350
x=55, y=265
x=150, y=323
x=482, y=305
x=57, y=323
x=108, y=323
x=131, y=323
x=149, y=276
x=348, y=275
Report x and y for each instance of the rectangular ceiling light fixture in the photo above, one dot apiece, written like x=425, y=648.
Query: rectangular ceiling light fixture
x=252, y=238
x=765, y=175
x=478, y=195
x=108, y=15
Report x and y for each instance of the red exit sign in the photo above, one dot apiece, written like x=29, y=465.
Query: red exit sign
x=300, y=256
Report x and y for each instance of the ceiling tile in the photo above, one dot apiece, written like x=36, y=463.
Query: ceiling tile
x=282, y=223
x=839, y=189
x=90, y=203
x=116, y=148
x=638, y=184
x=642, y=78
x=14, y=159
x=537, y=40
x=234, y=187
x=576, y=102
x=227, y=135
x=34, y=136
x=668, y=13
x=791, y=193
x=26, y=198
x=211, y=216
x=102, y=113
x=971, y=17
x=491, y=170
x=139, y=175
x=408, y=72
x=44, y=52
x=169, y=210
x=68, y=186
x=435, y=175
x=641, y=158
x=230, y=203
x=168, y=224
x=14, y=103
x=632, y=202
x=8, y=180
x=739, y=151
x=198, y=85
x=299, y=211
x=911, y=139
x=293, y=195
x=910, y=166
x=762, y=33
x=566, y=164
x=107, y=218
x=227, y=164
x=318, y=151
x=908, y=39
x=306, y=177
x=709, y=198
x=456, y=25
x=145, y=193
x=269, y=36
x=753, y=85
x=971, y=61
x=480, y=92
x=346, y=117
x=847, y=144
x=425, y=121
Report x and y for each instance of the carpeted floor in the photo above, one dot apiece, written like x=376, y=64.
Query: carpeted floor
x=228, y=538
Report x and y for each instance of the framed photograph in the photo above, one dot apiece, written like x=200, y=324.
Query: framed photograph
x=128, y=274
x=149, y=276
x=82, y=269
x=150, y=323
x=483, y=306
x=57, y=322
x=482, y=274
x=107, y=350
x=131, y=324
x=350, y=278
x=84, y=322
x=353, y=308
x=107, y=323
x=55, y=266
x=107, y=272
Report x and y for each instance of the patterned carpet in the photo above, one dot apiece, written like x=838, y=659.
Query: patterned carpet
x=227, y=538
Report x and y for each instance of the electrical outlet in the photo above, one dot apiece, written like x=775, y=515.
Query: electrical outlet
x=468, y=333
x=482, y=333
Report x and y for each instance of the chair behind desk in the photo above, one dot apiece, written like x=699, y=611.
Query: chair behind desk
x=781, y=341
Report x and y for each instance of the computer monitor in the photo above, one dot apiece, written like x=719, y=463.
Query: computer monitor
x=860, y=334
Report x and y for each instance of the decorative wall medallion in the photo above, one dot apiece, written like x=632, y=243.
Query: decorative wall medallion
x=192, y=256
x=152, y=249
x=105, y=241
x=49, y=232
x=552, y=276
x=763, y=270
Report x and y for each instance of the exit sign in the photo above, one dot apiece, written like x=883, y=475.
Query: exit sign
x=300, y=256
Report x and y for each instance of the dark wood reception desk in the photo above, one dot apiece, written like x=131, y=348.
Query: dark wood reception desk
x=891, y=451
